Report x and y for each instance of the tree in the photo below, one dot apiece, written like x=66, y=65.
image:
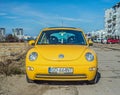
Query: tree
x=11, y=38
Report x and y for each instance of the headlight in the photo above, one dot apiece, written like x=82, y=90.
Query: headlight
x=89, y=56
x=33, y=56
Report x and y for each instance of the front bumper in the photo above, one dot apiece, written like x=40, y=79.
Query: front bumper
x=80, y=73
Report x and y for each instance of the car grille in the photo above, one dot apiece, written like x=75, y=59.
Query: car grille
x=51, y=76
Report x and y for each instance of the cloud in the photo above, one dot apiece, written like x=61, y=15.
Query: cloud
x=31, y=19
x=74, y=19
x=11, y=17
x=3, y=14
x=26, y=11
x=107, y=1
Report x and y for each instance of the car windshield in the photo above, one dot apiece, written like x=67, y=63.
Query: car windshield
x=51, y=37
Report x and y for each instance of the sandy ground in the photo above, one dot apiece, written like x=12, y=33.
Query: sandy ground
x=109, y=83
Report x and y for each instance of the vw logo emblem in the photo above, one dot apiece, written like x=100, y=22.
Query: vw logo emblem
x=61, y=56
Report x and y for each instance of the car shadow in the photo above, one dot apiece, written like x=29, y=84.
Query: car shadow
x=99, y=76
x=66, y=82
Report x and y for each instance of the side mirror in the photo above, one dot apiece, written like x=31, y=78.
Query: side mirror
x=31, y=42
x=90, y=42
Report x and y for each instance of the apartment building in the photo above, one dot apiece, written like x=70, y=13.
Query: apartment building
x=2, y=34
x=112, y=21
x=18, y=32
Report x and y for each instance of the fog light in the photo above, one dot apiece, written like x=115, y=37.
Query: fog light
x=92, y=68
x=38, y=76
x=30, y=68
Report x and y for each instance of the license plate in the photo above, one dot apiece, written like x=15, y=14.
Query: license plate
x=60, y=70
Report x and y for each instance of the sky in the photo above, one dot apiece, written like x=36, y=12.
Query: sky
x=34, y=15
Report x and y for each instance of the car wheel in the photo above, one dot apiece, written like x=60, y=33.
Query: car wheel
x=29, y=80
x=95, y=80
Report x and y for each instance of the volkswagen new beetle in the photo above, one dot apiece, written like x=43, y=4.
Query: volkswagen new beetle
x=61, y=54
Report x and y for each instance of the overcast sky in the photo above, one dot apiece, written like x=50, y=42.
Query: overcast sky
x=33, y=15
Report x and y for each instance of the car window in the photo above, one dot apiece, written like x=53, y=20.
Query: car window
x=62, y=37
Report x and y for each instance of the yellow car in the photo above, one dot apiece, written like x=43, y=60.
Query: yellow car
x=61, y=54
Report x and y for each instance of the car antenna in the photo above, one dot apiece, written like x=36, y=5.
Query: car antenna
x=62, y=22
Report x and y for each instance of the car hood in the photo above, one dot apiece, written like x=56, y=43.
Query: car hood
x=61, y=52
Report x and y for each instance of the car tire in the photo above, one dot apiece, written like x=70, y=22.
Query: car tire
x=29, y=80
x=95, y=80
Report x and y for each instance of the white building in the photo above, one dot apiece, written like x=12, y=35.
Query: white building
x=2, y=32
x=112, y=21
x=98, y=34
x=18, y=32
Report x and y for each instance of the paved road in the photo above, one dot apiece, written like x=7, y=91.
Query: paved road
x=109, y=83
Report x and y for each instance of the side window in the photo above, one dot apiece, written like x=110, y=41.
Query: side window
x=43, y=39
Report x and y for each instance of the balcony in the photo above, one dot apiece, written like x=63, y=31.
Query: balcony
x=109, y=31
x=109, y=20
x=114, y=17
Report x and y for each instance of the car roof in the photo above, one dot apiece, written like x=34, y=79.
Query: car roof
x=59, y=28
